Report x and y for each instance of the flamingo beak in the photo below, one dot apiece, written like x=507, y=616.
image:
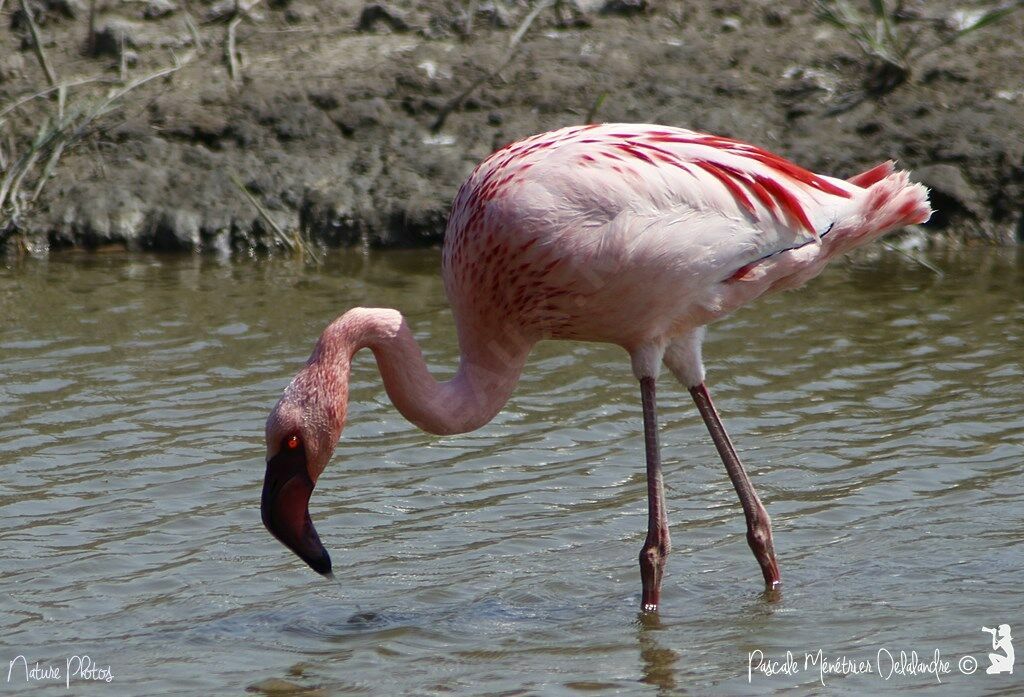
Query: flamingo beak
x=285, y=509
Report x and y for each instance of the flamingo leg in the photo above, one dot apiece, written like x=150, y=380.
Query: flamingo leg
x=657, y=545
x=759, y=524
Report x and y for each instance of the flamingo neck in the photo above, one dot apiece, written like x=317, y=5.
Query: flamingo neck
x=480, y=388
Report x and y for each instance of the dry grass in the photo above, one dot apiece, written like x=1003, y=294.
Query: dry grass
x=293, y=242
x=513, y=48
x=892, y=44
x=27, y=166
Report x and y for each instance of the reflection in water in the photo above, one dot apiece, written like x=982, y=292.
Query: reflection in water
x=879, y=412
x=659, y=662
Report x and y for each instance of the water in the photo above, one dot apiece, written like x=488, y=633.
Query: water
x=880, y=412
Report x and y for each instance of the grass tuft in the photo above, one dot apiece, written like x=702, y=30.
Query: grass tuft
x=895, y=50
x=24, y=171
x=293, y=242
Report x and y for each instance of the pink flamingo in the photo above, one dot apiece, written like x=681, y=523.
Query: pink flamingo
x=636, y=235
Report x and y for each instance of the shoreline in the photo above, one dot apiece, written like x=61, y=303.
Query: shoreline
x=327, y=116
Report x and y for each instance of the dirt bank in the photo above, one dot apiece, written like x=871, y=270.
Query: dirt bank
x=328, y=120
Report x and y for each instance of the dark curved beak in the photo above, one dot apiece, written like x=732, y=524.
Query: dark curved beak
x=285, y=508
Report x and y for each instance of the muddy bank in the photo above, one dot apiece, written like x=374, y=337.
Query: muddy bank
x=327, y=119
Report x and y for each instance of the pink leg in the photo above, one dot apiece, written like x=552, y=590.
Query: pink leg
x=759, y=525
x=657, y=545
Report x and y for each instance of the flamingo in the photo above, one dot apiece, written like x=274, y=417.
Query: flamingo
x=635, y=235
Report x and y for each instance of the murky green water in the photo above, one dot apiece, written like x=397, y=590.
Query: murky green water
x=880, y=411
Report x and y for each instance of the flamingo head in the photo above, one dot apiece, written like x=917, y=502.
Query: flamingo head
x=301, y=432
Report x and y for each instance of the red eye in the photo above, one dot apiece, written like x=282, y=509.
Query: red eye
x=292, y=442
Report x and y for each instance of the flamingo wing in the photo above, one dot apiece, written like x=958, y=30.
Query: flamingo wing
x=703, y=196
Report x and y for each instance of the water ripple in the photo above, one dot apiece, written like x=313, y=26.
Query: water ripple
x=879, y=411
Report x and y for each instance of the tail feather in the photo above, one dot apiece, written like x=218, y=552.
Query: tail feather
x=889, y=203
x=873, y=175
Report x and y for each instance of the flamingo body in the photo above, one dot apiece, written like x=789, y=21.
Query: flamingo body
x=637, y=235
x=630, y=234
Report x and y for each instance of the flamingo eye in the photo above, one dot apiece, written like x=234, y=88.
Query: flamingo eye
x=292, y=442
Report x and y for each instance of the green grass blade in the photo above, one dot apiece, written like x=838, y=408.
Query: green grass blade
x=989, y=18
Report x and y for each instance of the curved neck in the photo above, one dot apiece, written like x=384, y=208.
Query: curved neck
x=481, y=387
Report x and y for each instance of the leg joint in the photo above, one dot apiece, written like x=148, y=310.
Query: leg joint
x=759, y=537
x=655, y=553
